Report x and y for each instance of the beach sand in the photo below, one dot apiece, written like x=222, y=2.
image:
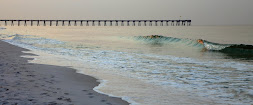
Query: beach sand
x=35, y=84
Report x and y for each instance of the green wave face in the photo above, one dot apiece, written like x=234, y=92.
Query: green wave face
x=163, y=40
x=240, y=51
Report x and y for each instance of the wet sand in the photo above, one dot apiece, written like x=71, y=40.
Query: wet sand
x=26, y=83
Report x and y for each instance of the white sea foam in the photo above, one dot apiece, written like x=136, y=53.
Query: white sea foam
x=102, y=84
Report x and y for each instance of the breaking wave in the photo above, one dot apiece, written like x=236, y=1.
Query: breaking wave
x=233, y=50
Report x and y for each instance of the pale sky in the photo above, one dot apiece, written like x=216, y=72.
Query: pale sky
x=201, y=12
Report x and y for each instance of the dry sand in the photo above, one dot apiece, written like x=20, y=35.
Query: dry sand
x=24, y=83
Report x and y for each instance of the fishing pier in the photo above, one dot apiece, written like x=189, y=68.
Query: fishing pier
x=95, y=22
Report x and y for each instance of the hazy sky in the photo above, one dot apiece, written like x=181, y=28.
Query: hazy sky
x=201, y=12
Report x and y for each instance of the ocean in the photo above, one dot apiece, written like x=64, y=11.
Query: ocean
x=147, y=65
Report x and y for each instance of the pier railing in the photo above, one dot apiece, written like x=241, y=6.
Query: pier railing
x=96, y=22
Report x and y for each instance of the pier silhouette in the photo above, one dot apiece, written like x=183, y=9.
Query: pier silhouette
x=97, y=22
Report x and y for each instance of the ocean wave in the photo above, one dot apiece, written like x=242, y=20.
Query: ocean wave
x=234, y=50
x=217, y=46
x=240, y=51
x=31, y=39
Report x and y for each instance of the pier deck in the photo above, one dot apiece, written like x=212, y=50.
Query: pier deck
x=96, y=22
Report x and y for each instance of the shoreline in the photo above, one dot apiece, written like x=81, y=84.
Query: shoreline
x=28, y=83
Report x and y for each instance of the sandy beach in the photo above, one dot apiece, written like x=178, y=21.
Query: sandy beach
x=24, y=83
